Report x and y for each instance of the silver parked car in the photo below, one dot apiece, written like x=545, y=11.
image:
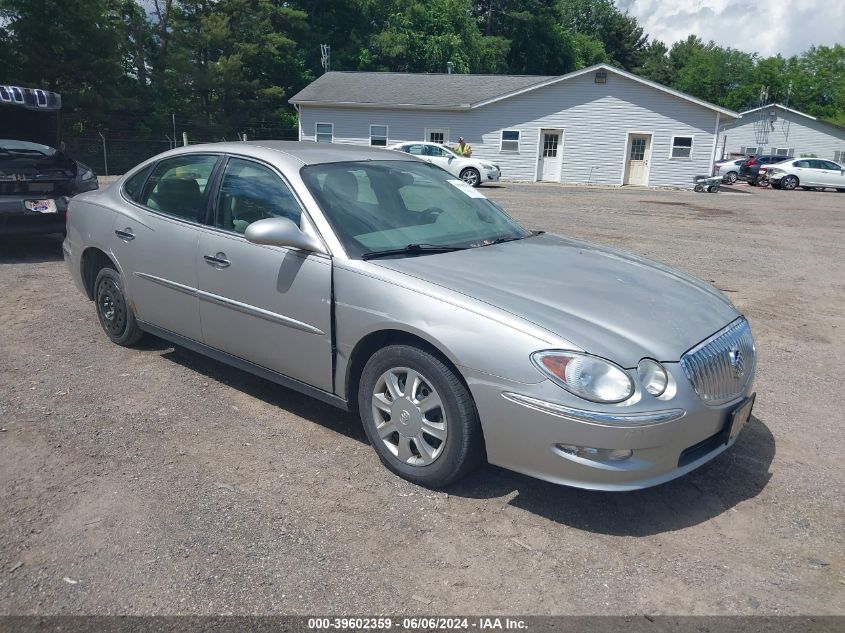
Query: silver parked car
x=380, y=283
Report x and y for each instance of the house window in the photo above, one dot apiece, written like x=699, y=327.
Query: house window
x=510, y=141
x=782, y=151
x=324, y=132
x=681, y=147
x=378, y=135
x=437, y=135
x=748, y=151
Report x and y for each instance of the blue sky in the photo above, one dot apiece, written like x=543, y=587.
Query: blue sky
x=768, y=27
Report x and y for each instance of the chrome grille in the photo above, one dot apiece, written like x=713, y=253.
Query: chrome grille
x=721, y=367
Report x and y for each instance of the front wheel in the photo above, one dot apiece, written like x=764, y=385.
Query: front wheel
x=730, y=177
x=419, y=417
x=471, y=176
x=113, y=310
x=789, y=182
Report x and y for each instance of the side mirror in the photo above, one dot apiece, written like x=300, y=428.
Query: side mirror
x=282, y=232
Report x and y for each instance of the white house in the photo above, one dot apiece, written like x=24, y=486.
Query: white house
x=598, y=125
x=776, y=129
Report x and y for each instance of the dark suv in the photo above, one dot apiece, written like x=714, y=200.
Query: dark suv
x=37, y=178
x=749, y=170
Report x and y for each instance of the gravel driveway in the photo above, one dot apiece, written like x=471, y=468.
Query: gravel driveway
x=155, y=481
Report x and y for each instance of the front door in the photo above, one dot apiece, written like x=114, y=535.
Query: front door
x=638, y=154
x=265, y=304
x=550, y=155
x=157, y=246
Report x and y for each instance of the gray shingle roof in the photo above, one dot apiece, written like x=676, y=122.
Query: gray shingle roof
x=411, y=89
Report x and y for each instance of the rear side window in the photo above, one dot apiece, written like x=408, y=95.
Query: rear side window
x=177, y=185
x=250, y=192
x=132, y=187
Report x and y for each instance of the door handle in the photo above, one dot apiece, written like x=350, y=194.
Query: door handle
x=126, y=234
x=218, y=261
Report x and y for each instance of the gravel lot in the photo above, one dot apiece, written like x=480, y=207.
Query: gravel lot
x=156, y=481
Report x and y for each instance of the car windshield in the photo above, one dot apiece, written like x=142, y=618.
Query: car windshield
x=376, y=206
x=11, y=146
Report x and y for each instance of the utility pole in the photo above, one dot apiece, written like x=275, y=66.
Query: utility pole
x=173, y=115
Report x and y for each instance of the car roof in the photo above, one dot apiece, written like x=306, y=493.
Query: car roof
x=304, y=152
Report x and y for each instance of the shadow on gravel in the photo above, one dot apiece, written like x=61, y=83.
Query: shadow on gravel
x=31, y=249
x=311, y=409
x=738, y=474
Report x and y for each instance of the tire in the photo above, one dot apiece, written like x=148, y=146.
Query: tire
x=113, y=311
x=386, y=407
x=712, y=189
x=730, y=177
x=698, y=188
x=471, y=176
x=789, y=182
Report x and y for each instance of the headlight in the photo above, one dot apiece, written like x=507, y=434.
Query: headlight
x=652, y=376
x=588, y=377
x=486, y=166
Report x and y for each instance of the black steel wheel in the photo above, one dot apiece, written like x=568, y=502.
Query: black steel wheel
x=113, y=311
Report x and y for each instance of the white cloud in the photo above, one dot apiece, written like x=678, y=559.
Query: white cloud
x=763, y=26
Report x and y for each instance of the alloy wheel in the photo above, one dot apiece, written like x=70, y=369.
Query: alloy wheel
x=470, y=177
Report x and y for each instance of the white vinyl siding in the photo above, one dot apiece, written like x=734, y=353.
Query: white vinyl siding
x=800, y=135
x=682, y=147
x=509, y=141
x=595, y=120
x=324, y=132
x=378, y=135
x=839, y=156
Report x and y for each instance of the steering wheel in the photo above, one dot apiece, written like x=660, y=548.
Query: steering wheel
x=429, y=216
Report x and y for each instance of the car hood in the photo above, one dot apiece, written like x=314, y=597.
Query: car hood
x=608, y=302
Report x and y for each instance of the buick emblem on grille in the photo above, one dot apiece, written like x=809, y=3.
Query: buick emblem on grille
x=737, y=362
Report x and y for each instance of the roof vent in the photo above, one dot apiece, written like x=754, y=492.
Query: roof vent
x=601, y=76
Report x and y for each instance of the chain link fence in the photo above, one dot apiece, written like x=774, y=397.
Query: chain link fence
x=110, y=155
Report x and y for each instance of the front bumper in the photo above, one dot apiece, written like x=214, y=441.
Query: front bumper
x=16, y=219
x=525, y=425
x=492, y=175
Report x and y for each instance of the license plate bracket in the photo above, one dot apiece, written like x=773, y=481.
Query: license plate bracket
x=739, y=418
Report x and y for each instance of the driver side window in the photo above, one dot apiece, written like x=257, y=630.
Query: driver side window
x=250, y=192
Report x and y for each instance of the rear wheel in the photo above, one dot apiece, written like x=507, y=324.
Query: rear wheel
x=419, y=416
x=789, y=182
x=730, y=177
x=471, y=176
x=113, y=310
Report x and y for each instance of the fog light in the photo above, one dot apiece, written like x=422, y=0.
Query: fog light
x=596, y=454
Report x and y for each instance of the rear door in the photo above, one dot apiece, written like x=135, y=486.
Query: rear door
x=265, y=304
x=155, y=242
x=442, y=158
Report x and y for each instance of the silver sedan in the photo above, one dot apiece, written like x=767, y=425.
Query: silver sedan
x=377, y=282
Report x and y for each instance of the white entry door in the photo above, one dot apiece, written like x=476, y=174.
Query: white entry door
x=636, y=163
x=551, y=154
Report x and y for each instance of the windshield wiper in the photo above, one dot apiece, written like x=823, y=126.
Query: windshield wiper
x=413, y=249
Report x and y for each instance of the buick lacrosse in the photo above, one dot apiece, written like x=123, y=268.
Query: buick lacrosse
x=382, y=284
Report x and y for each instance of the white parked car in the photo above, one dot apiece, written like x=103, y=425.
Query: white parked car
x=472, y=171
x=728, y=169
x=806, y=173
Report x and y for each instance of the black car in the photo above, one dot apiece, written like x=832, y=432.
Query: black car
x=37, y=178
x=749, y=170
